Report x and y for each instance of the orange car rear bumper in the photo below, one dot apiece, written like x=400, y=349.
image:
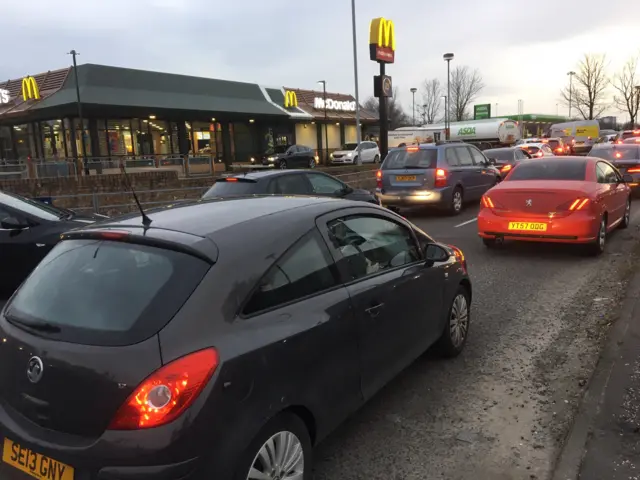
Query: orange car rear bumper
x=578, y=227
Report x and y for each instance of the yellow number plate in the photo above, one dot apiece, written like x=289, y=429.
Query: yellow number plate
x=405, y=178
x=528, y=226
x=34, y=464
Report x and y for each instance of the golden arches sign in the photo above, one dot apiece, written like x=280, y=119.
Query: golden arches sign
x=30, y=89
x=290, y=99
x=382, y=40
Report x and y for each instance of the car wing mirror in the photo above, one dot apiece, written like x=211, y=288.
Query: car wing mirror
x=626, y=178
x=436, y=253
x=12, y=223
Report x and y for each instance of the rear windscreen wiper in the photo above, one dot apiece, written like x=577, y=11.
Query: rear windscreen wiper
x=32, y=324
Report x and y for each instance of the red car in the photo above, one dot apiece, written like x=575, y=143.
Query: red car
x=563, y=200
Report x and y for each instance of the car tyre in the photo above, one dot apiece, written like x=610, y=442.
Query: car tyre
x=490, y=242
x=456, y=201
x=284, y=428
x=597, y=247
x=282, y=165
x=376, y=159
x=626, y=219
x=456, y=329
x=356, y=160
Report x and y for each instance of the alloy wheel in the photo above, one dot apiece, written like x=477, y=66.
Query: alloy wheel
x=627, y=213
x=280, y=458
x=457, y=200
x=602, y=234
x=459, y=320
x=283, y=165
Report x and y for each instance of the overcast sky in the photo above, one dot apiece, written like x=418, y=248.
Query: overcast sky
x=522, y=50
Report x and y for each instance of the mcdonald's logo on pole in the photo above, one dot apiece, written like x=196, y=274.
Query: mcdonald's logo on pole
x=30, y=89
x=290, y=99
x=382, y=40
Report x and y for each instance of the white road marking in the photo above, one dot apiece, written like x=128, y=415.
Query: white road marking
x=467, y=222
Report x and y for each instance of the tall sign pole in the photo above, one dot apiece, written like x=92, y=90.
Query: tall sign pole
x=355, y=71
x=382, y=49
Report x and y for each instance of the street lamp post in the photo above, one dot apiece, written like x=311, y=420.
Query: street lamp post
x=73, y=53
x=447, y=123
x=496, y=109
x=413, y=92
x=424, y=114
x=571, y=74
x=637, y=101
x=326, y=129
x=446, y=108
x=355, y=70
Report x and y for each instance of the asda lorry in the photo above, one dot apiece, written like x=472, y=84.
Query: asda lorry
x=493, y=132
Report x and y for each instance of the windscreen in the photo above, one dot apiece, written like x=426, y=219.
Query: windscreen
x=105, y=293
x=550, y=170
x=554, y=144
x=532, y=149
x=499, y=154
x=618, y=152
x=349, y=146
x=224, y=188
x=400, y=159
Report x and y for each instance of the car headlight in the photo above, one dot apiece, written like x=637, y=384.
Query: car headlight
x=349, y=155
x=331, y=155
x=271, y=159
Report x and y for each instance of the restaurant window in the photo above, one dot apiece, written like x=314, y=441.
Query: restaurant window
x=160, y=137
x=173, y=140
x=52, y=145
x=142, y=137
x=21, y=136
x=242, y=141
x=78, y=137
x=117, y=137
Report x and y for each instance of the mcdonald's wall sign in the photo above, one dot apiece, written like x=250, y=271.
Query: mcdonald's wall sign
x=30, y=89
x=382, y=40
x=290, y=99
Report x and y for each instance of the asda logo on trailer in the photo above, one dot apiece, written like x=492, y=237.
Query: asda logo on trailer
x=467, y=131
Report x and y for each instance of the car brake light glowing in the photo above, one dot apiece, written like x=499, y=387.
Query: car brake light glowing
x=634, y=170
x=618, y=155
x=379, y=179
x=506, y=168
x=231, y=179
x=113, y=235
x=441, y=178
x=578, y=204
x=413, y=149
x=559, y=150
x=487, y=202
x=167, y=393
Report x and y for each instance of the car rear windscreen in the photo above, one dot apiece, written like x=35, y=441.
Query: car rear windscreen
x=554, y=144
x=564, y=169
x=499, y=154
x=617, y=152
x=105, y=293
x=227, y=188
x=400, y=159
x=532, y=149
x=630, y=134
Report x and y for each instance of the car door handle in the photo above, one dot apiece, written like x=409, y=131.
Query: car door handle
x=374, y=310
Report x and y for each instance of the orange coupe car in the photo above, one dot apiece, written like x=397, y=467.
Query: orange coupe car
x=563, y=200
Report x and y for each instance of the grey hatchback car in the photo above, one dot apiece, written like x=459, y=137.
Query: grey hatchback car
x=442, y=175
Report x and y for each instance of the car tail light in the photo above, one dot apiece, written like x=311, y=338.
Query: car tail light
x=379, y=179
x=413, y=149
x=634, y=170
x=618, y=155
x=441, y=178
x=506, y=168
x=559, y=150
x=231, y=179
x=167, y=392
x=487, y=202
x=579, y=203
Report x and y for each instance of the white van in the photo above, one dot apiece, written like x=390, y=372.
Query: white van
x=583, y=133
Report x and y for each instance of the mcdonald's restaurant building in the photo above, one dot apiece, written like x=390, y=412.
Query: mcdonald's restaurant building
x=135, y=113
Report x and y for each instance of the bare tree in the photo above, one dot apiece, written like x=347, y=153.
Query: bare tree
x=627, y=85
x=589, y=89
x=431, y=100
x=396, y=114
x=465, y=87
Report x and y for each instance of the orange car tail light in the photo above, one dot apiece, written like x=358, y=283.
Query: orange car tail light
x=578, y=204
x=441, y=178
x=413, y=149
x=634, y=170
x=487, y=202
x=506, y=168
x=167, y=393
x=379, y=179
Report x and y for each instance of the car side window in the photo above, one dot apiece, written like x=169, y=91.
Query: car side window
x=477, y=156
x=451, y=157
x=600, y=175
x=370, y=245
x=324, y=184
x=291, y=184
x=610, y=175
x=519, y=154
x=306, y=269
x=464, y=156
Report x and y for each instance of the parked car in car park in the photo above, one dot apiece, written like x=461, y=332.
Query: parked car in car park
x=29, y=229
x=504, y=159
x=290, y=156
x=289, y=182
x=352, y=153
x=222, y=340
x=443, y=175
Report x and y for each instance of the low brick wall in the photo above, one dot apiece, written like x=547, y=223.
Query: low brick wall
x=109, y=194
